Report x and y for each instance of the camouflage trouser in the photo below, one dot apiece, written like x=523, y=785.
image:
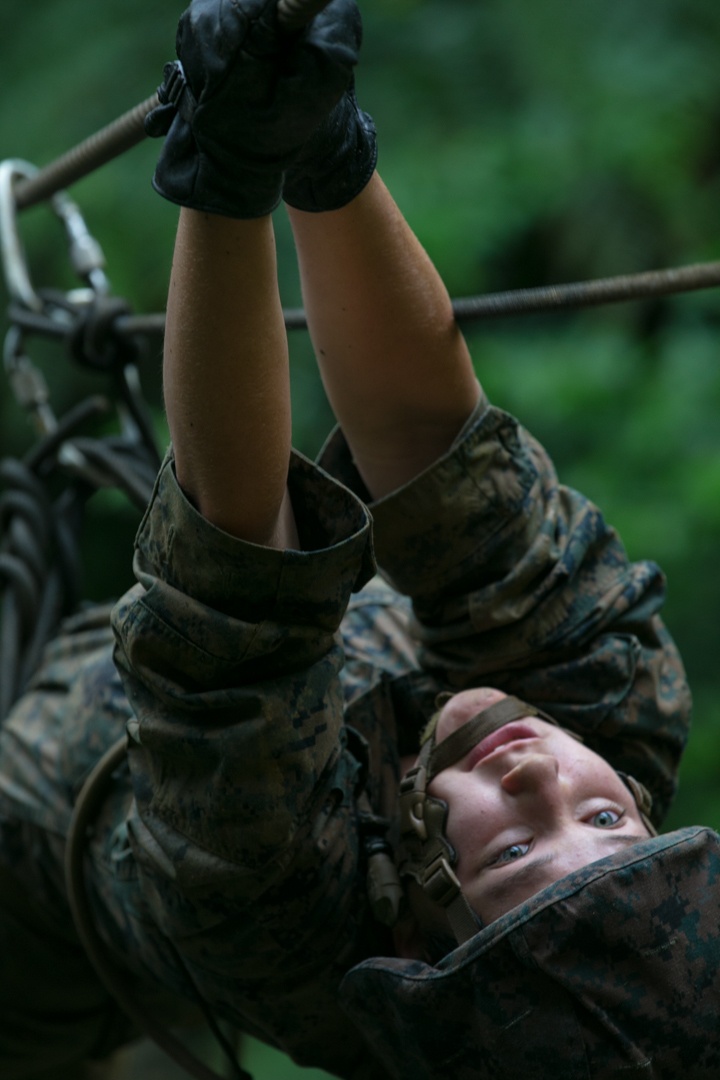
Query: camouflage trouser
x=55, y=1013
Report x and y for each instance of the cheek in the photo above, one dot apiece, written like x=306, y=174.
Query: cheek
x=592, y=774
x=469, y=815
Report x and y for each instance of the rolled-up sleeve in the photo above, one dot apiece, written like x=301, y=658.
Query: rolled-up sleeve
x=229, y=654
x=244, y=831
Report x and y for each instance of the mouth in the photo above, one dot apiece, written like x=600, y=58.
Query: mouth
x=509, y=733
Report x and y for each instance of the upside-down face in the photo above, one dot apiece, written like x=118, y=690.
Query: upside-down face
x=526, y=806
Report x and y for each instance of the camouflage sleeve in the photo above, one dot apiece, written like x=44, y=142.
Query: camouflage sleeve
x=518, y=582
x=245, y=827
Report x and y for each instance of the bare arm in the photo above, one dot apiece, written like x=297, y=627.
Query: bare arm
x=394, y=363
x=226, y=376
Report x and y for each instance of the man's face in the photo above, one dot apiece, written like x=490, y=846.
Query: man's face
x=527, y=805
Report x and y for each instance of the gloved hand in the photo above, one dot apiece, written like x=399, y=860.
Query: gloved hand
x=245, y=100
x=336, y=162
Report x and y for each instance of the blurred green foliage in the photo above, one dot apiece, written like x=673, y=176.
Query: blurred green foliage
x=528, y=143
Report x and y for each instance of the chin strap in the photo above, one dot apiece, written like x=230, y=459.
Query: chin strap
x=426, y=854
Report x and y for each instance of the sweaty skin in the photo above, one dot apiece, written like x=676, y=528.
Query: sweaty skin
x=527, y=806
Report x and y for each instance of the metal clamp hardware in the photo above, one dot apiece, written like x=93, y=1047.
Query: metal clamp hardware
x=27, y=382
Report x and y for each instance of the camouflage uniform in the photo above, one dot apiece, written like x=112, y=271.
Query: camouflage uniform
x=233, y=860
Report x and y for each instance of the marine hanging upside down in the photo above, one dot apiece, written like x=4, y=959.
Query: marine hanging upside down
x=274, y=688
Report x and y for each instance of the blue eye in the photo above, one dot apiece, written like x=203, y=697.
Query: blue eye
x=604, y=819
x=512, y=853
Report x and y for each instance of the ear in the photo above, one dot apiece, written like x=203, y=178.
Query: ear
x=408, y=940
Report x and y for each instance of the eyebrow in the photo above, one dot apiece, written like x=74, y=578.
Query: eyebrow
x=529, y=870
x=623, y=838
x=518, y=877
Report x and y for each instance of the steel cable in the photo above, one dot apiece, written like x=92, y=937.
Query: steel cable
x=39, y=557
x=129, y=464
x=515, y=302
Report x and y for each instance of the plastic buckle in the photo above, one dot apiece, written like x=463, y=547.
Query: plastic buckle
x=440, y=882
x=175, y=90
x=412, y=803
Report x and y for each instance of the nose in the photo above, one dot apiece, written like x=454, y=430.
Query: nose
x=534, y=774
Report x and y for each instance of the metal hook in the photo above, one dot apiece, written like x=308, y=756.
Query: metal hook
x=27, y=382
x=86, y=255
x=11, y=246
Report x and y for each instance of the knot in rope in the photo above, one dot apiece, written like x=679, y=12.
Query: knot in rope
x=96, y=339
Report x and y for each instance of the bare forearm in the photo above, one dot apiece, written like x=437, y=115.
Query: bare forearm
x=226, y=375
x=395, y=366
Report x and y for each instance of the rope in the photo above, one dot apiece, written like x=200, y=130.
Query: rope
x=40, y=532
x=40, y=562
x=38, y=576
x=39, y=538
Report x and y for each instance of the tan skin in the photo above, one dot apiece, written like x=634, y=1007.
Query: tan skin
x=525, y=808
x=225, y=375
x=396, y=368
x=534, y=808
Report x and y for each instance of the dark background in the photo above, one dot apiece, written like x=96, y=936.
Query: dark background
x=527, y=144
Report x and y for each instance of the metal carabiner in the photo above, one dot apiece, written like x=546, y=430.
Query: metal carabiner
x=86, y=256
x=27, y=382
x=12, y=251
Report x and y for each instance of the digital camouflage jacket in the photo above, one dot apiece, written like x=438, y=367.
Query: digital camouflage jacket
x=264, y=689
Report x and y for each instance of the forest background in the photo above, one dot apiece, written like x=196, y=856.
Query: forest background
x=528, y=144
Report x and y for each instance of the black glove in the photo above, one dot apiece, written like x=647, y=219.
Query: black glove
x=336, y=162
x=245, y=100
